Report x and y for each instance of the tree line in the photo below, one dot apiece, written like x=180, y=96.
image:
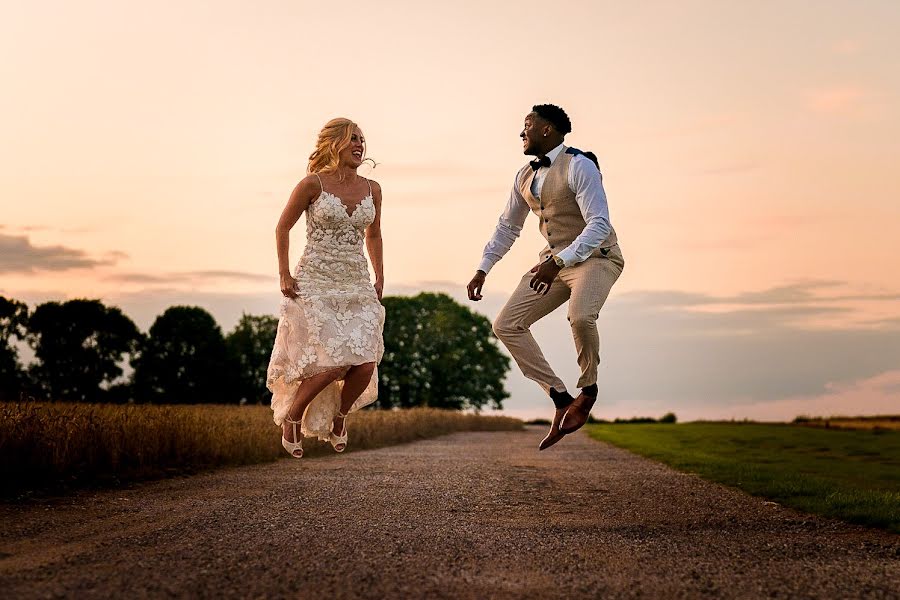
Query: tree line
x=437, y=353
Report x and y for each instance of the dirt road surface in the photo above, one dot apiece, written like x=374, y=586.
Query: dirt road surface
x=470, y=515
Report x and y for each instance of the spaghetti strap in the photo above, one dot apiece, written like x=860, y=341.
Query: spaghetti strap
x=369, y=181
x=322, y=187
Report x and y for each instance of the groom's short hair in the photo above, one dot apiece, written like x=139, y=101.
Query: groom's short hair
x=555, y=116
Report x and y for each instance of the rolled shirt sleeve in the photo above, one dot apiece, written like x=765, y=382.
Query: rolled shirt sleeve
x=586, y=183
x=508, y=229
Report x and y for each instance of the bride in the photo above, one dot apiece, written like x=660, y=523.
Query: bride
x=329, y=339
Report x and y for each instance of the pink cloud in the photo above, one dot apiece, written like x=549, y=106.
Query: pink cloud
x=844, y=99
x=847, y=47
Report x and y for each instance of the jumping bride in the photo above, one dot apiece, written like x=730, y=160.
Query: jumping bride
x=329, y=339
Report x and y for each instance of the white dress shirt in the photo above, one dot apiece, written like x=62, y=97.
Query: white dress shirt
x=586, y=183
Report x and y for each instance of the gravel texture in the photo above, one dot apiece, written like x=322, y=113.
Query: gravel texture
x=469, y=515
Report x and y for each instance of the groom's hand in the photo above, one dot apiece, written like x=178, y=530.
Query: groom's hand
x=545, y=273
x=474, y=287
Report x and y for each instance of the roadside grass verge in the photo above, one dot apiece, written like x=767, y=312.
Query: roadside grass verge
x=846, y=474
x=64, y=445
x=891, y=422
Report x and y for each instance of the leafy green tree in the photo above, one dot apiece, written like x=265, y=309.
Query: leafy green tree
x=439, y=353
x=13, y=323
x=184, y=360
x=80, y=347
x=249, y=349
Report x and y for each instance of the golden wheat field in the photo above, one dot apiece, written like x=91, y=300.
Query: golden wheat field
x=884, y=422
x=51, y=444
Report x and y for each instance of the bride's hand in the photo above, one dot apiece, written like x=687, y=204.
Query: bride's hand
x=288, y=285
x=379, y=288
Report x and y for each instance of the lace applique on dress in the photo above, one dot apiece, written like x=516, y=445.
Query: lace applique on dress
x=335, y=322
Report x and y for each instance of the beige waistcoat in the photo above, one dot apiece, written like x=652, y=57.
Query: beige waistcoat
x=560, y=218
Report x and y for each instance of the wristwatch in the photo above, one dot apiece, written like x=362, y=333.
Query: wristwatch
x=559, y=262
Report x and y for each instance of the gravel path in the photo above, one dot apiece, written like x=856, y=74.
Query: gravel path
x=470, y=515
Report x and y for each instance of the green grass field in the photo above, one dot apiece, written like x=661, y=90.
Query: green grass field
x=850, y=475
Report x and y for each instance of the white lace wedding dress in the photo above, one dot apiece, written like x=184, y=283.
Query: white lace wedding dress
x=335, y=322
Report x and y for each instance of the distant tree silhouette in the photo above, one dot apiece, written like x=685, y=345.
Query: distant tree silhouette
x=13, y=323
x=184, y=360
x=669, y=417
x=249, y=349
x=80, y=346
x=439, y=353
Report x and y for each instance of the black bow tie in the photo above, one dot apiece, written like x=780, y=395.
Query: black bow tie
x=539, y=162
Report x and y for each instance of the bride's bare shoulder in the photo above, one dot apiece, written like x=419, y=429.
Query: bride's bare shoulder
x=305, y=192
x=308, y=188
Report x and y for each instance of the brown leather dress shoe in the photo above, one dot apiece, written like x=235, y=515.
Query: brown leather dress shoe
x=577, y=414
x=554, y=435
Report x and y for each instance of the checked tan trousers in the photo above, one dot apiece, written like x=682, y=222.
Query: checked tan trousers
x=586, y=287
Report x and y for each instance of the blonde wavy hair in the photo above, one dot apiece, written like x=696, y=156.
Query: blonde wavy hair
x=334, y=137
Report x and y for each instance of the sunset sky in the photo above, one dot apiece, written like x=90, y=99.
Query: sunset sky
x=750, y=151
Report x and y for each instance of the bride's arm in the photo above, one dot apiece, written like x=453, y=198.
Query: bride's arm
x=303, y=194
x=373, y=241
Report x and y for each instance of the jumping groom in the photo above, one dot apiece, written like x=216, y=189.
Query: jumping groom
x=580, y=263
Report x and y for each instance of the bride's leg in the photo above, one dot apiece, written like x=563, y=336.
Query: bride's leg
x=355, y=382
x=306, y=391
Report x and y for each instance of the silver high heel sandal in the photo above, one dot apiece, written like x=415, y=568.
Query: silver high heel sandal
x=295, y=449
x=339, y=442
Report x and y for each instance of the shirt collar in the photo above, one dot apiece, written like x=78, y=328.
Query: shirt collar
x=555, y=152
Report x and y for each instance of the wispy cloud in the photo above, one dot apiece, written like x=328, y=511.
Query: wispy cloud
x=731, y=168
x=690, y=127
x=431, y=170
x=18, y=255
x=847, y=47
x=798, y=293
x=756, y=231
x=188, y=276
x=116, y=255
x=48, y=228
x=745, y=241
x=838, y=99
x=868, y=396
x=144, y=306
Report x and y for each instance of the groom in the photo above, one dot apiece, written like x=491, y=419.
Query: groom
x=580, y=263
